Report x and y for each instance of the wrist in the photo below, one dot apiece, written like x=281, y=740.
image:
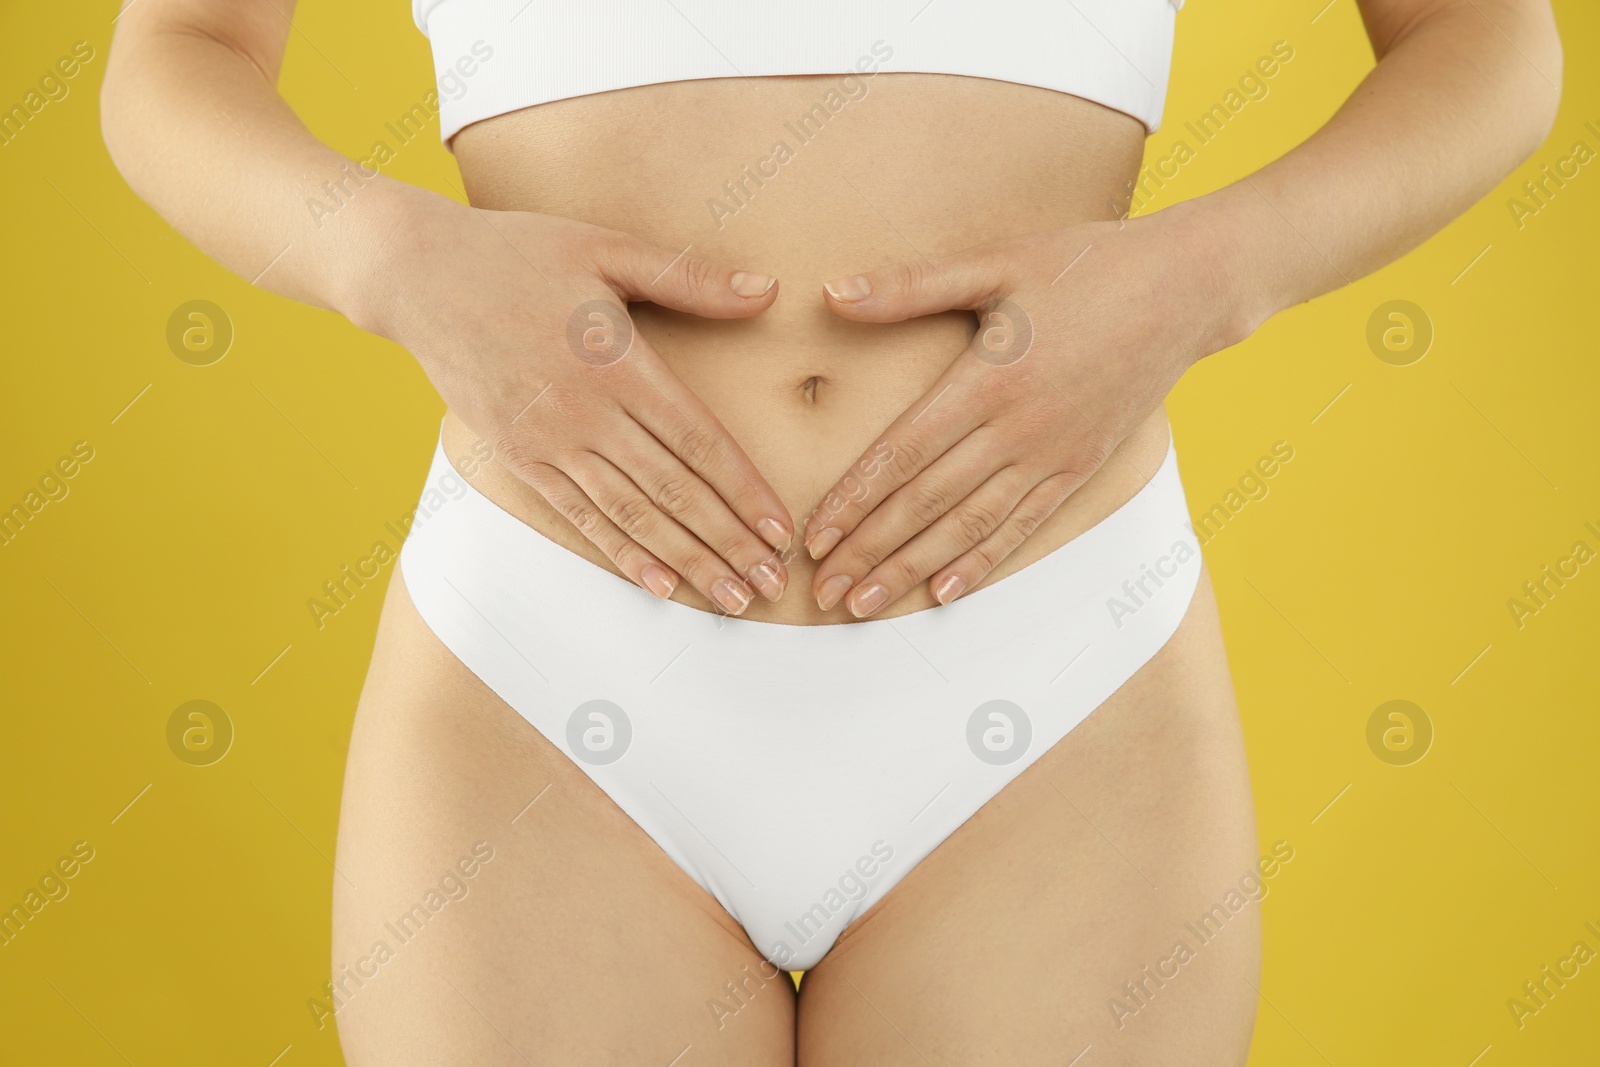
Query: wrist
x=1233, y=242
x=367, y=254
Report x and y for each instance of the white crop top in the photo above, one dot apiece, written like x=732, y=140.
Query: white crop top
x=495, y=56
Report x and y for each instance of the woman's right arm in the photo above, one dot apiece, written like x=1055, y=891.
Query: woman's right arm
x=518, y=319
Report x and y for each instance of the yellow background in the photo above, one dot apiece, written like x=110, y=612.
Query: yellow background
x=1378, y=567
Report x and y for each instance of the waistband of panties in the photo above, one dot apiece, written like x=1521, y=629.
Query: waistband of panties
x=456, y=529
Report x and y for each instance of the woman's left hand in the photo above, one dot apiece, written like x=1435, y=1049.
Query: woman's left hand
x=1082, y=332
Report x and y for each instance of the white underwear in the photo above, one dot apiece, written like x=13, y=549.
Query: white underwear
x=798, y=772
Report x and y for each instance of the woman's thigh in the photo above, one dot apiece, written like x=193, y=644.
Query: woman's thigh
x=493, y=906
x=1015, y=942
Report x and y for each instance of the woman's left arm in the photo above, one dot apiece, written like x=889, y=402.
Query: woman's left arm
x=1083, y=331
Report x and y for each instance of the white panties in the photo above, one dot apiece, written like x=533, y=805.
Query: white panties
x=798, y=772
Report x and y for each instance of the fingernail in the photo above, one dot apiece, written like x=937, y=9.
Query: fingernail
x=949, y=589
x=732, y=595
x=832, y=590
x=769, y=580
x=823, y=543
x=847, y=290
x=774, y=533
x=868, y=599
x=659, y=580
x=747, y=284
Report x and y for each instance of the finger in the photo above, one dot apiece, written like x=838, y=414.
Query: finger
x=638, y=270
x=942, y=416
x=911, y=509
x=958, y=530
x=964, y=573
x=638, y=518
x=680, y=420
x=630, y=557
x=684, y=495
x=965, y=281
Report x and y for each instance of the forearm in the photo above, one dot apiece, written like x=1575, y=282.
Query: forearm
x=1454, y=104
x=199, y=131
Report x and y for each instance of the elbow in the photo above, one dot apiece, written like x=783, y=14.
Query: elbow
x=116, y=99
x=1539, y=66
x=1511, y=57
x=132, y=102
x=111, y=126
x=1545, y=116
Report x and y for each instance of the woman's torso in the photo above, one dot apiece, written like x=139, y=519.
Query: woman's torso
x=810, y=178
x=920, y=165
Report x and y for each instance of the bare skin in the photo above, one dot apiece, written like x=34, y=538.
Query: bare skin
x=636, y=461
x=803, y=391
x=579, y=941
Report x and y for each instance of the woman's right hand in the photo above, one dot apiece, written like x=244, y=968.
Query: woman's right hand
x=520, y=322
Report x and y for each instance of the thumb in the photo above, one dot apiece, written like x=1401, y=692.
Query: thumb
x=966, y=281
x=637, y=270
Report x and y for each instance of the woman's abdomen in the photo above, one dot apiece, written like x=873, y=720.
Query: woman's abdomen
x=808, y=179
